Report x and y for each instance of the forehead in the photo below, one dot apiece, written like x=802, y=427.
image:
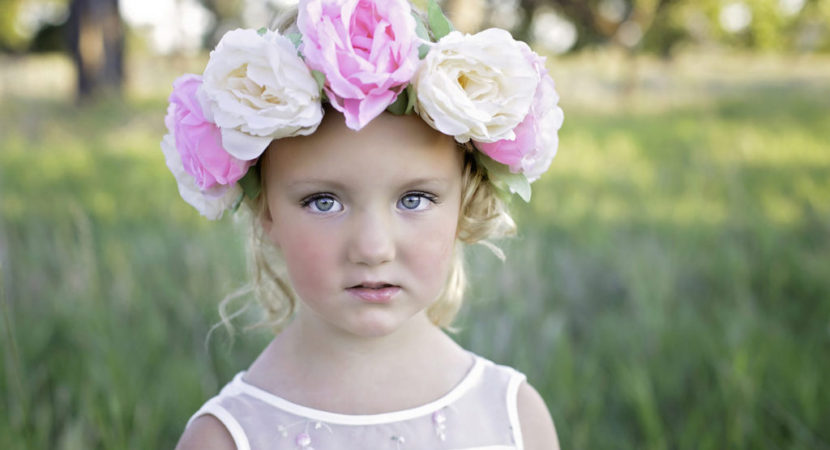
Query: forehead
x=397, y=146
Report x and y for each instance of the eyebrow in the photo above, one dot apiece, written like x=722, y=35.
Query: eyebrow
x=340, y=186
x=427, y=180
x=315, y=182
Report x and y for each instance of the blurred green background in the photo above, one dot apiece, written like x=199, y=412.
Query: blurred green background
x=669, y=288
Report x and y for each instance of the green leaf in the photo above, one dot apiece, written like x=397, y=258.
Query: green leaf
x=412, y=97
x=438, y=22
x=420, y=27
x=398, y=107
x=503, y=178
x=320, y=77
x=295, y=38
x=250, y=183
x=405, y=103
x=518, y=184
x=262, y=31
x=422, y=51
x=237, y=203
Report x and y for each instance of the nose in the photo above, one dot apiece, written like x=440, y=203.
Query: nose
x=372, y=239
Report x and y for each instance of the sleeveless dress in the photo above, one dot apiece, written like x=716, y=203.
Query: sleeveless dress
x=479, y=413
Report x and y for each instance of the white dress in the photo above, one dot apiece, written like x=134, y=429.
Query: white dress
x=479, y=413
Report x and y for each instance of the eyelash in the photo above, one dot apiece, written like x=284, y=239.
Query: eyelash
x=432, y=198
x=308, y=201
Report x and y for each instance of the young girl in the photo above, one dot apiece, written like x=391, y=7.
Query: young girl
x=369, y=143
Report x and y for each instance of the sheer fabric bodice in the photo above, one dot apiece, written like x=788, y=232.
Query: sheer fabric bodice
x=478, y=413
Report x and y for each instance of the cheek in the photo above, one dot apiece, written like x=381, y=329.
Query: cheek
x=430, y=255
x=307, y=258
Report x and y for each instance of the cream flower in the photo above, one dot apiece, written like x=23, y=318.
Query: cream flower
x=257, y=89
x=211, y=203
x=537, y=135
x=476, y=86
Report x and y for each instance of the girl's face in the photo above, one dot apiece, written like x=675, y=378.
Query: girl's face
x=366, y=221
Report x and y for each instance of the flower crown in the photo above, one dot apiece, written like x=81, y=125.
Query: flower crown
x=364, y=57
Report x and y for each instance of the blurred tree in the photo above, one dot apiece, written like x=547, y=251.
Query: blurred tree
x=660, y=25
x=49, y=38
x=96, y=42
x=10, y=36
x=815, y=26
x=597, y=21
x=623, y=22
x=228, y=15
x=652, y=25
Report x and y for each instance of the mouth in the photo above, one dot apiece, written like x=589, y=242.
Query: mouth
x=374, y=292
x=372, y=285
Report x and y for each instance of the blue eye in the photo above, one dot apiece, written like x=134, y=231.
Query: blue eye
x=322, y=203
x=416, y=201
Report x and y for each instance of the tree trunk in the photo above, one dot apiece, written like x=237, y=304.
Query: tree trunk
x=96, y=41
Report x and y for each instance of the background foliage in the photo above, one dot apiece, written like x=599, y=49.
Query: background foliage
x=651, y=25
x=669, y=288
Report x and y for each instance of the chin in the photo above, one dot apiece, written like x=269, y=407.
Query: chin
x=377, y=324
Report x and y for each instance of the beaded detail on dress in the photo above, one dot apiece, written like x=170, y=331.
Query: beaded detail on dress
x=478, y=413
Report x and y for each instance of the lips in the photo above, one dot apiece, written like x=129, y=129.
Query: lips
x=374, y=292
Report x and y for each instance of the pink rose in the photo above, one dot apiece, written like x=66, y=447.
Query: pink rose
x=211, y=203
x=367, y=49
x=537, y=139
x=199, y=141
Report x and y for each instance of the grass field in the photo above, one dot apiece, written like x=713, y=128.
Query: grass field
x=670, y=287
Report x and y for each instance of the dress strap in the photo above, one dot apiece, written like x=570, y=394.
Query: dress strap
x=470, y=381
x=516, y=380
x=213, y=408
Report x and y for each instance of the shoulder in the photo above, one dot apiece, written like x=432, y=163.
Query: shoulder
x=206, y=432
x=538, y=431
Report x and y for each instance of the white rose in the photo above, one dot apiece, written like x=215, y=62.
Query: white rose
x=257, y=89
x=211, y=204
x=476, y=86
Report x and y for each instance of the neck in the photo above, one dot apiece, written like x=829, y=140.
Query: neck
x=329, y=369
x=333, y=346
